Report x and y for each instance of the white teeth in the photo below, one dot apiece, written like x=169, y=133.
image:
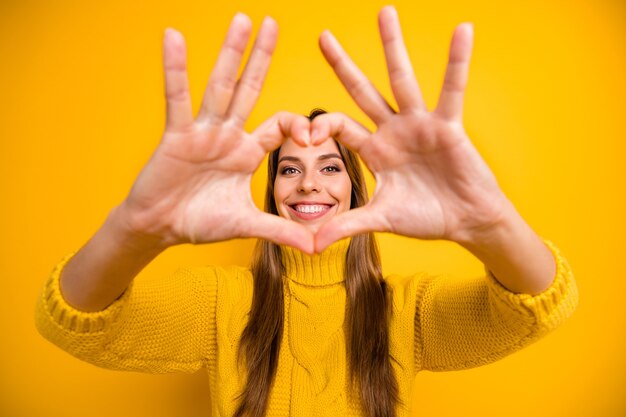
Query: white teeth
x=310, y=208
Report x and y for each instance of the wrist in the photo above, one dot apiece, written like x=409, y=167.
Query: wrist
x=126, y=230
x=504, y=222
x=514, y=254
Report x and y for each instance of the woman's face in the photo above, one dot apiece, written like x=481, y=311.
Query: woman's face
x=312, y=184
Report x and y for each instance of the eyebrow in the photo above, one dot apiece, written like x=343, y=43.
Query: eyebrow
x=319, y=158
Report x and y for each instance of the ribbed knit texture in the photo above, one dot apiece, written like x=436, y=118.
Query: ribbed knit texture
x=194, y=319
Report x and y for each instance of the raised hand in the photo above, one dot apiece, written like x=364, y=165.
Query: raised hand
x=431, y=183
x=196, y=186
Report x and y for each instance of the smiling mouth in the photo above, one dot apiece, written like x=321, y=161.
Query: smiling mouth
x=310, y=211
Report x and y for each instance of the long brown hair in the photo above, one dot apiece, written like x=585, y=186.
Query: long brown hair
x=367, y=316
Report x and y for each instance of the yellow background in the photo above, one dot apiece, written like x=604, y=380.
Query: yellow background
x=81, y=109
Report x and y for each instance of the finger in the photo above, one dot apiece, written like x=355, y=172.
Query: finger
x=272, y=133
x=250, y=84
x=342, y=128
x=350, y=223
x=404, y=85
x=450, y=104
x=221, y=85
x=356, y=83
x=179, y=111
x=281, y=231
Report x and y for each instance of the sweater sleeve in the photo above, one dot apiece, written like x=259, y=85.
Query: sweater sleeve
x=159, y=326
x=461, y=324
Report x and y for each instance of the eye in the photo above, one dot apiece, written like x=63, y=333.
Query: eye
x=288, y=170
x=331, y=168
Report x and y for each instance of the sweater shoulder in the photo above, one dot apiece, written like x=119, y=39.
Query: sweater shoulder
x=404, y=289
x=232, y=279
x=234, y=285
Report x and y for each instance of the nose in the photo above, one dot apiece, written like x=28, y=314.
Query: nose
x=308, y=184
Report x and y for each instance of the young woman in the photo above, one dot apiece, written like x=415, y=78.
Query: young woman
x=312, y=328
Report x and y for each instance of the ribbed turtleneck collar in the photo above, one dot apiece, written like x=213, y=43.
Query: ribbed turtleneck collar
x=325, y=268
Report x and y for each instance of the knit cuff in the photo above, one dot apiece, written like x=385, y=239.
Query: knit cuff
x=69, y=318
x=554, y=304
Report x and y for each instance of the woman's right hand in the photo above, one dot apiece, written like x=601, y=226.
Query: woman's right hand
x=196, y=186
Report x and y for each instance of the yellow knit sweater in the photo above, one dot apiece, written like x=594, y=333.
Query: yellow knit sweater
x=194, y=319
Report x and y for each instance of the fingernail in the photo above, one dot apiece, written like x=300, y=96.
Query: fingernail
x=310, y=249
x=392, y=10
x=319, y=248
x=329, y=36
x=170, y=32
x=305, y=136
x=243, y=18
x=315, y=134
x=268, y=20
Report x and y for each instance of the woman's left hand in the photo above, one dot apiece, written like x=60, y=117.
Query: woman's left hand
x=431, y=182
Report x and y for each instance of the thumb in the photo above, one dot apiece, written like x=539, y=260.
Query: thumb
x=351, y=223
x=281, y=231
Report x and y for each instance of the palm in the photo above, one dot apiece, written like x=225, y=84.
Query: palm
x=196, y=186
x=436, y=174
x=431, y=182
x=193, y=186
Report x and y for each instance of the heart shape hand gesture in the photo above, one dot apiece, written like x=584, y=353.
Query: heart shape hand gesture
x=431, y=183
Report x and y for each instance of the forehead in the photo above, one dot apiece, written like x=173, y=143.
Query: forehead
x=290, y=148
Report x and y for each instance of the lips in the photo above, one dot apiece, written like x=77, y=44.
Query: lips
x=309, y=210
